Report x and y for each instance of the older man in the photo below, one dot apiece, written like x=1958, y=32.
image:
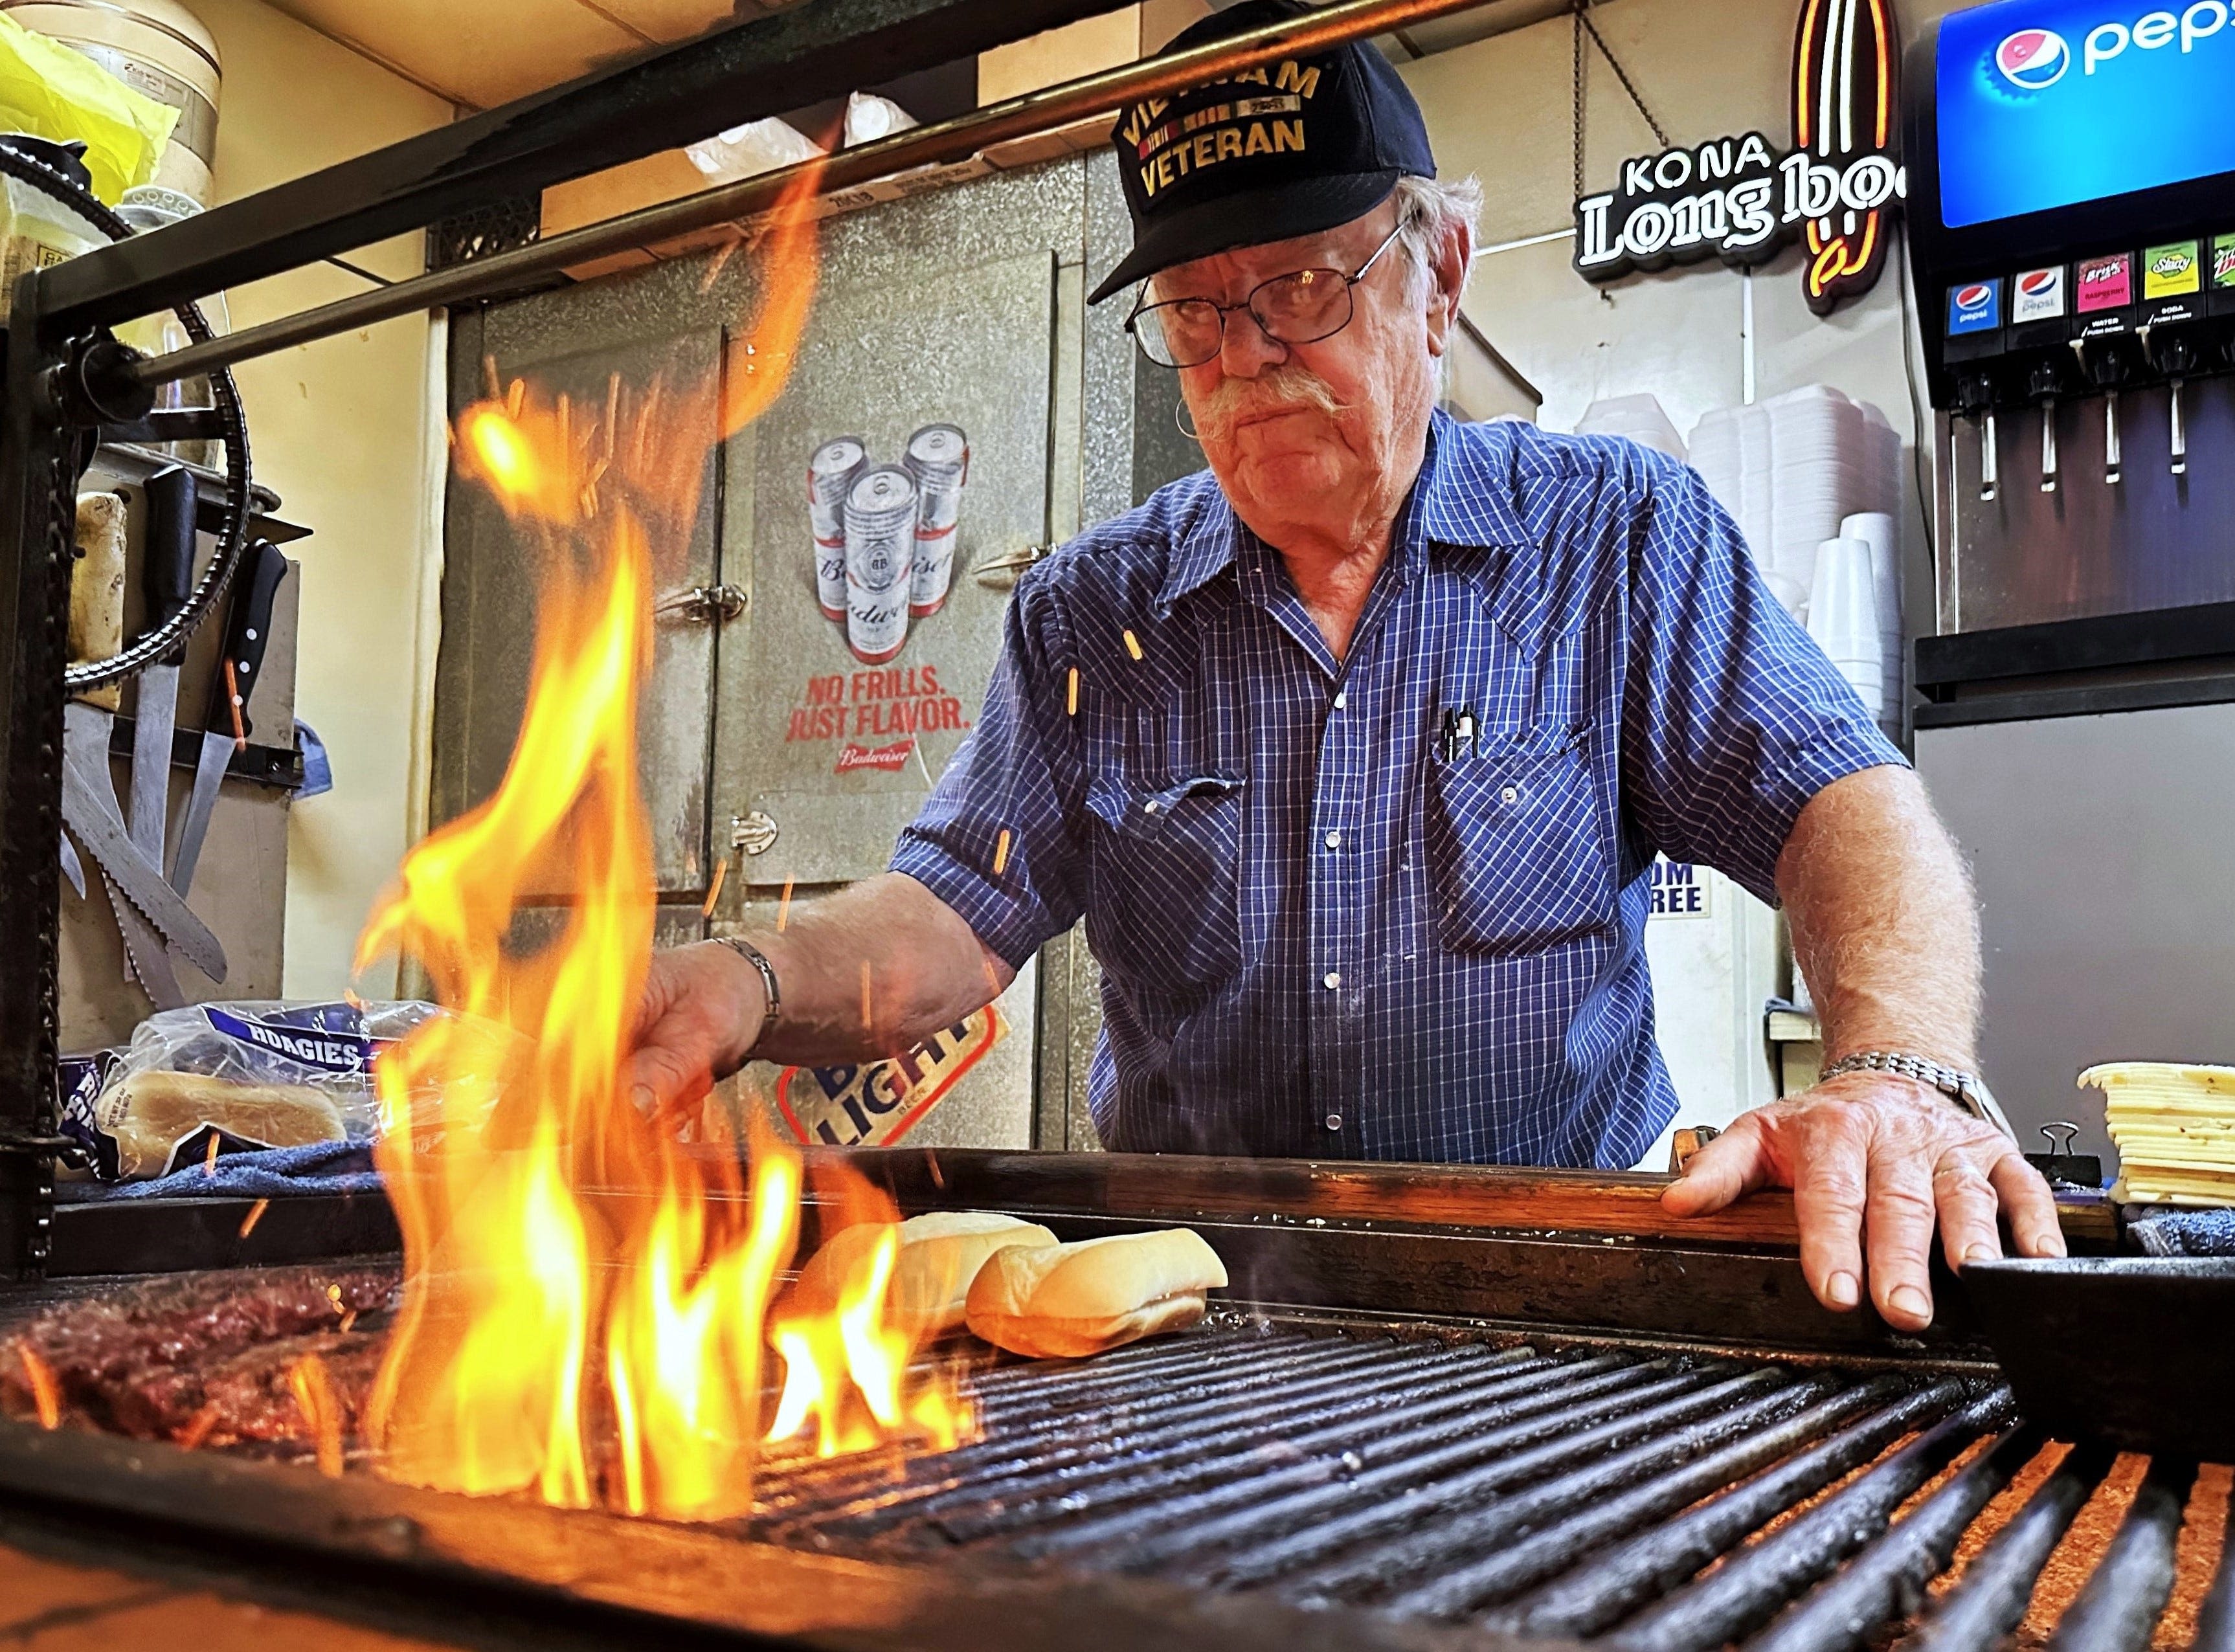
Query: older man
x=1354, y=752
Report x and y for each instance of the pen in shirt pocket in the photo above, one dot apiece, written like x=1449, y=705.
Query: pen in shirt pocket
x=1458, y=731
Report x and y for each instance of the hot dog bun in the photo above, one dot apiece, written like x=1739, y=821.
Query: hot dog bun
x=941, y=1254
x=1069, y=1300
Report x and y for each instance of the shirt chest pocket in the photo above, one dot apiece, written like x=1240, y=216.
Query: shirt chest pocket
x=1167, y=862
x=1517, y=859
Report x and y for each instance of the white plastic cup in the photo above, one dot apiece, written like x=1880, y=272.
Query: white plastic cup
x=1843, y=610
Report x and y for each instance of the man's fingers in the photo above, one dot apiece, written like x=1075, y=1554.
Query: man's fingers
x=1902, y=1202
x=1966, y=1198
x=1827, y=1202
x=2031, y=1206
x=1736, y=1162
x=668, y=1071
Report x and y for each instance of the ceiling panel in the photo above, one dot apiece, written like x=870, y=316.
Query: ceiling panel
x=480, y=52
x=673, y=19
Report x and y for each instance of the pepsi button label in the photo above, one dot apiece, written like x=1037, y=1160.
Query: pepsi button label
x=2038, y=295
x=2105, y=283
x=1976, y=306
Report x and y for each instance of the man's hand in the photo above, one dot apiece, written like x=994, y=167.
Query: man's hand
x=702, y=1004
x=1871, y=1159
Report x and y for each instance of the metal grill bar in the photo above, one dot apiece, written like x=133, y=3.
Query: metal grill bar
x=1319, y=1537
x=1003, y=1452
x=2118, y=1610
x=1447, y=1402
x=1756, y=1581
x=1210, y=1431
x=1458, y=1551
x=1612, y=1585
x=1989, y=1599
x=2215, y=1623
x=1458, y=1430
x=1889, y=1579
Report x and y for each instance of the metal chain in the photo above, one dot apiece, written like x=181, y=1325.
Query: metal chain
x=1580, y=12
x=1578, y=57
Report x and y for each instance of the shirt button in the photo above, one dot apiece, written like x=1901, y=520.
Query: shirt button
x=1334, y=1121
x=1341, y=698
x=1335, y=840
x=1331, y=981
x=1510, y=795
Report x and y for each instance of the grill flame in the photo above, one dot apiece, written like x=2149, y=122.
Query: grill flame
x=586, y=1294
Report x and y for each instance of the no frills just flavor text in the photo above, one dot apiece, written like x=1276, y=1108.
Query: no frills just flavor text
x=874, y=717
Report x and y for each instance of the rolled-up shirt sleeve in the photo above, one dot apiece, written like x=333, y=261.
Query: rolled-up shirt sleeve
x=1732, y=717
x=996, y=839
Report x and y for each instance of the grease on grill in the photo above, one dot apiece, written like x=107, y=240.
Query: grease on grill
x=1627, y=1497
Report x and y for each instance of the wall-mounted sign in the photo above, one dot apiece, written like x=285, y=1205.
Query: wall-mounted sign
x=1741, y=200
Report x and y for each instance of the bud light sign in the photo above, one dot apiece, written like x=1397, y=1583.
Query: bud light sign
x=2048, y=103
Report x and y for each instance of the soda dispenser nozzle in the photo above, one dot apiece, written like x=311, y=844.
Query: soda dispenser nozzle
x=2173, y=353
x=1975, y=400
x=2105, y=367
x=2045, y=384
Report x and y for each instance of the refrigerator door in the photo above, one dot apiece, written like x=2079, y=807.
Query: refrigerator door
x=2102, y=849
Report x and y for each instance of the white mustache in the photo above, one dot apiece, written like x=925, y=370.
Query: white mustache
x=1286, y=388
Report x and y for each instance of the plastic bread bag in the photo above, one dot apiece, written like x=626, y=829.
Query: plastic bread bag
x=247, y=1076
x=47, y=91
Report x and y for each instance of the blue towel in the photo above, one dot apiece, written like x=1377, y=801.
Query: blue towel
x=274, y=1172
x=2186, y=1233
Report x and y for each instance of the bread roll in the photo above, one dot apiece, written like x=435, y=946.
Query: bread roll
x=941, y=1253
x=1080, y=1299
x=150, y=1112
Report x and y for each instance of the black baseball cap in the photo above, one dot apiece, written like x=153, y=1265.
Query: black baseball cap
x=1298, y=146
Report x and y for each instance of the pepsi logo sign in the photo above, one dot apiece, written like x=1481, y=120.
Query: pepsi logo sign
x=2033, y=58
x=1972, y=299
x=2034, y=283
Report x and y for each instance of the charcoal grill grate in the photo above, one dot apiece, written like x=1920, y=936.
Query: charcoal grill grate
x=1649, y=1499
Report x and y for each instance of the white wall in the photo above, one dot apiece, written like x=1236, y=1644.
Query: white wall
x=341, y=430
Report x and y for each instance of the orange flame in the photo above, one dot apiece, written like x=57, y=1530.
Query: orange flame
x=584, y=1294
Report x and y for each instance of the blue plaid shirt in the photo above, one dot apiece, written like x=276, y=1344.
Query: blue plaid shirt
x=1321, y=934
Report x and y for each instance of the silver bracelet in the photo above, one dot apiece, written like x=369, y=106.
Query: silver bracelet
x=758, y=959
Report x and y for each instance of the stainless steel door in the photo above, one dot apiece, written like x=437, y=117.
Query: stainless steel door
x=2101, y=849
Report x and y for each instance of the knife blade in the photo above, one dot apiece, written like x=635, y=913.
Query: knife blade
x=72, y=868
x=89, y=805
x=166, y=576
x=97, y=631
x=226, y=726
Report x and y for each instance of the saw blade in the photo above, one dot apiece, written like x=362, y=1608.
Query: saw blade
x=90, y=807
x=146, y=958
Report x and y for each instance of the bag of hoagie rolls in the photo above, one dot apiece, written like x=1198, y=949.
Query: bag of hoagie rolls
x=1069, y=1300
x=248, y=1076
x=941, y=1254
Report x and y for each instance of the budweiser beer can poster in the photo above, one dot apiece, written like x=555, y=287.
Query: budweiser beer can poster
x=885, y=532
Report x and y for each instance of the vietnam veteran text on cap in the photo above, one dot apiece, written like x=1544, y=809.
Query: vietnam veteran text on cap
x=1297, y=147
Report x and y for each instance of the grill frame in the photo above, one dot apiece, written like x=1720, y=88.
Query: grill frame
x=1575, y=1263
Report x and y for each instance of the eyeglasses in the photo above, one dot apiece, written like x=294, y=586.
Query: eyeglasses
x=1301, y=307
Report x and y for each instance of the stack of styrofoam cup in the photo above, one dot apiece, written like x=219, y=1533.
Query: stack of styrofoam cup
x=1843, y=616
x=1875, y=529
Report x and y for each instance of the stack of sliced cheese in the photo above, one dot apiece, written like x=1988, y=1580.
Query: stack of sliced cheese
x=2175, y=1127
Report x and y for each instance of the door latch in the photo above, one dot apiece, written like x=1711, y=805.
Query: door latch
x=702, y=605
x=1000, y=572
x=754, y=833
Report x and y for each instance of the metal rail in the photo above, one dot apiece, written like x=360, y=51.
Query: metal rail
x=611, y=116
x=943, y=142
